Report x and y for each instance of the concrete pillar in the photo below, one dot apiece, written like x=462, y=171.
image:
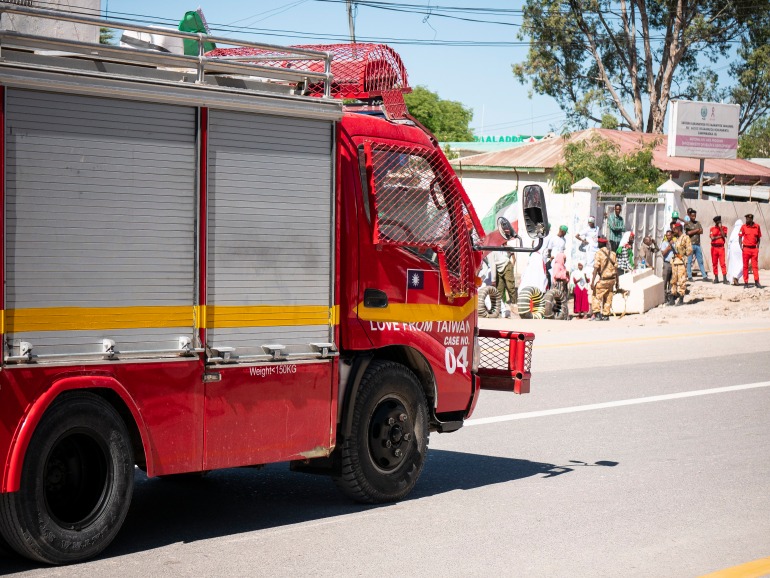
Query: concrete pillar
x=672, y=194
x=585, y=194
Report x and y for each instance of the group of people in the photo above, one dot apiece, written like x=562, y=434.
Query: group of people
x=597, y=272
x=679, y=248
x=606, y=258
x=735, y=255
x=734, y=252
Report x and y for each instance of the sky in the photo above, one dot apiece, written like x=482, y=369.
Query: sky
x=478, y=76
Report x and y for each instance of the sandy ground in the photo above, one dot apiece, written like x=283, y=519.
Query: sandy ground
x=706, y=301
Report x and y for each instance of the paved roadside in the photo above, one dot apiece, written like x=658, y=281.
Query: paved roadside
x=575, y=344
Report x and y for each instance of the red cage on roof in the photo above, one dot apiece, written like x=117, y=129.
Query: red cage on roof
x=361, y=71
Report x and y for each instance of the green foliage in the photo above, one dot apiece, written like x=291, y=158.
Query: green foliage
x=446, y=119
x=450, y=153
x=755, y=142
x=751, y=75
x=106, y=35
x=629, y=56
x=600, y=160
x=609, y=121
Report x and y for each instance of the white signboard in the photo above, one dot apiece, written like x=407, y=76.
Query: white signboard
x=703, y=130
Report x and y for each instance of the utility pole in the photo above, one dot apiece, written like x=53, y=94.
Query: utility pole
x=351, y=20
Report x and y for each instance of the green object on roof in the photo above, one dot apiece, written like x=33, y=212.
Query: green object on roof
x=193, y=22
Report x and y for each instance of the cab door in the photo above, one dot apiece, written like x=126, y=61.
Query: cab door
x=417, y=269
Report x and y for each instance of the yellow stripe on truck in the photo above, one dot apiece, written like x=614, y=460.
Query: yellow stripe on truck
x=413, y=313
x=266, y=315
x=98, y=318
x=211, y=316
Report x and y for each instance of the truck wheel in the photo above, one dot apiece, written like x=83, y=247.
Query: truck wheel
x=76, y=483
x=385, y=452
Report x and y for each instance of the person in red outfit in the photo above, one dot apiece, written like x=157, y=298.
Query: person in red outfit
x=718, y=234
x=750, y=236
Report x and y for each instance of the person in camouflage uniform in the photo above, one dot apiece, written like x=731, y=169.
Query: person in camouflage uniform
x=682, y=249
x=606, y=268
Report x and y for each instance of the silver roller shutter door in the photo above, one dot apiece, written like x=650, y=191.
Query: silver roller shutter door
x=100, y=213
x=270, y=199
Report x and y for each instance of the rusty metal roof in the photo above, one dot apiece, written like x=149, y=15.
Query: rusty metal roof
x=549, y=152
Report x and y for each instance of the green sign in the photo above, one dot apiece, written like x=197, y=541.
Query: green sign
x=512, y=138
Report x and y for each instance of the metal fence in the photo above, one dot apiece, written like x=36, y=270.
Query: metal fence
x=642, y=214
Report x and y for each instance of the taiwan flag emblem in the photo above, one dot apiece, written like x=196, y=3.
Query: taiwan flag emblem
x=422, y=286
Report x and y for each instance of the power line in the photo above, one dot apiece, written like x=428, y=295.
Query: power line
x=521, y=122
x=431, y=12
x=316, y=37
x=254, y=18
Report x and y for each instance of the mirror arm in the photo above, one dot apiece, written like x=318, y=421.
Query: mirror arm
x=510, y=249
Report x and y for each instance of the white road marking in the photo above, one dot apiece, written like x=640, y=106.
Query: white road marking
x=608, y=404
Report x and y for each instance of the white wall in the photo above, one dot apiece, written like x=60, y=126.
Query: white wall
x=572, y=209
x=485, y=188
x=55, y=28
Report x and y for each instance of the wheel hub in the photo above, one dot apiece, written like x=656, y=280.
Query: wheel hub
x=76, y=480
x=390, y=434
x=55, y=475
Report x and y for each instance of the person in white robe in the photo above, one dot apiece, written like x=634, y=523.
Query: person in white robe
x=735, y=255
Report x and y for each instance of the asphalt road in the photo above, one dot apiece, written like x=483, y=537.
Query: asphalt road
x=632, y=456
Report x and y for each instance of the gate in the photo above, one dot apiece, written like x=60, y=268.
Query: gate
x=642, y=214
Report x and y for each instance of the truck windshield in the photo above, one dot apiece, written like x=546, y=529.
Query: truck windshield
x=415, y=204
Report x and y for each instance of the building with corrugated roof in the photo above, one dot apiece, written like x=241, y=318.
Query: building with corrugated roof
x=488, y=176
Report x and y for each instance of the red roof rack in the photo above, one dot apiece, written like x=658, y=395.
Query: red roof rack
x=361, y=71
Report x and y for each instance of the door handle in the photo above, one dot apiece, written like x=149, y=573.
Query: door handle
x=375, y=298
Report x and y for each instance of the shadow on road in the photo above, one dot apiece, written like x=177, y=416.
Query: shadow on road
x=229, y=502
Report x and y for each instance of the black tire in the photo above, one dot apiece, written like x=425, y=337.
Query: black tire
x=555, y=303
x=530, y=303
x=76, y=483
x=385, y=452
x=493, y=311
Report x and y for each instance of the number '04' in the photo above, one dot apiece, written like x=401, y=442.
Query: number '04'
x=460, y=361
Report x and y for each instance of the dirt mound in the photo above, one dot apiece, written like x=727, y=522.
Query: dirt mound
x=709, y=300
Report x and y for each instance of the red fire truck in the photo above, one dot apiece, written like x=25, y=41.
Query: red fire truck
x=210, y=262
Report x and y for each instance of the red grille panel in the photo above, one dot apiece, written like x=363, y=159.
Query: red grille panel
x=505, y=360
x=394, y=104
x=360, y=70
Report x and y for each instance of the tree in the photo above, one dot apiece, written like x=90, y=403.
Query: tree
x=601, y=161
x=450, y=153
x=628, y=56
x=446, y=119
x=755, y=142
x=750, y=73
x=609, y=121
x=106, y=35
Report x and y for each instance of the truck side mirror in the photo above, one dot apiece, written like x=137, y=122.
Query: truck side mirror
x=535, y=214
x=505, y=228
